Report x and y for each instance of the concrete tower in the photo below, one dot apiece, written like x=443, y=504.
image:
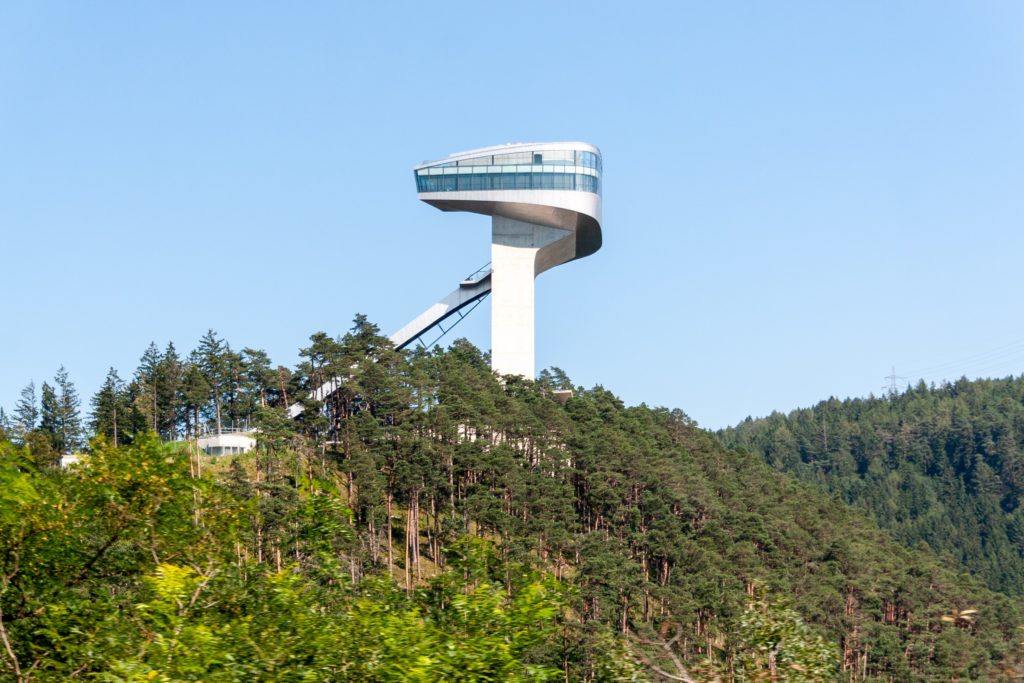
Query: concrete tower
x=544, y=200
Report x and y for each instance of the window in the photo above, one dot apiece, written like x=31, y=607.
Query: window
x=477, y=161
x=582, y=182
x=587, y=183
x=548, y=170
x=586, y=159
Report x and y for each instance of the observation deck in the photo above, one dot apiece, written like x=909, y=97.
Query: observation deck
x=544, y=200
x=554, y=184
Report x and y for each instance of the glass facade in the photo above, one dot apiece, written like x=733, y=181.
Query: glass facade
x=529, y=170
x=507, y=181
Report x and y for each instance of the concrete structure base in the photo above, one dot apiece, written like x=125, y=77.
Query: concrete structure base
x=514, y=249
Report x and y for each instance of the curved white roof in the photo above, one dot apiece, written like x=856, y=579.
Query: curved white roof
x=512, y=147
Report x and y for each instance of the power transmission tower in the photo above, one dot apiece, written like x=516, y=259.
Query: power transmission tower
x=892, y=379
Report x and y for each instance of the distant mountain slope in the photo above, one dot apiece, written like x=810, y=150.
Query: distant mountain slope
x=941, y=465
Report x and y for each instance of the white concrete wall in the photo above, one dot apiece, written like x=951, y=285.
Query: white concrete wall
x=514, y=247
x=227, y=444
x=578, y=202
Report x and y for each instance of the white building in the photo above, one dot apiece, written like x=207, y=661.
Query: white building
x=544, y=200
x=229, y=441
x=69, y=459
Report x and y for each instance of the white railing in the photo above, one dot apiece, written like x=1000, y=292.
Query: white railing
x=211, y=429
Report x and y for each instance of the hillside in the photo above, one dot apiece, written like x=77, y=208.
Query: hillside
x=432, y=523
x=941, y=466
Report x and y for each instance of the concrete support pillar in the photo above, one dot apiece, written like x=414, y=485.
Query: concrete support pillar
x=514, y=248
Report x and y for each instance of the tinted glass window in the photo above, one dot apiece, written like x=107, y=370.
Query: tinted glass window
x=547, y=170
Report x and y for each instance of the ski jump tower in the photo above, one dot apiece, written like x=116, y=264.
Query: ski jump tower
x=544, y=200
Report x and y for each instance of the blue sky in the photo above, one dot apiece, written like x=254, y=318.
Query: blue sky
x=797, y=195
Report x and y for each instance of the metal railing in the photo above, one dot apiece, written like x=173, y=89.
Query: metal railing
x=211, y=430
x=477, y=275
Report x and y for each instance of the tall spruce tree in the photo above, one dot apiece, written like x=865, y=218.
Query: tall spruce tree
x=147, y=381
x=237, y=394
x=49, y=416
x=193, y=395
x=26, y=412
x=110, y=409
x=69, y=413
x=169, y=376
x=212, y=361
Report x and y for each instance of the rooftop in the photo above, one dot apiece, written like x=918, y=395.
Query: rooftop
x=512, y=147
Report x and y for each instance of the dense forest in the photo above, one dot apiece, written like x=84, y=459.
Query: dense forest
x=431, y=521
x=940, y=466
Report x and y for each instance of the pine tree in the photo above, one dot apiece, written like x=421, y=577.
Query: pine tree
x=110, y=409
x=212, y=361
x=134, y=421
x=237, y=393
x=69, y=416
x=168, y=392
x=147, y=381
x=193, y=395
x=261, y=377
x=26, y=412
x=49, y=417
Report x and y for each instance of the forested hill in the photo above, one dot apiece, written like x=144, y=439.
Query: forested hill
x=432, y=523
x=938, y=465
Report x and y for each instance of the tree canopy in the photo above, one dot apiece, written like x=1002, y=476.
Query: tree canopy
x=430, y=521
x=937, y=466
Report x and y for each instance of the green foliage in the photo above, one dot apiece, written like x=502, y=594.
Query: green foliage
x=17, y=493
x=774, y=643
x=26, y=412
x=937, y=466
x=426, y=521
x=50, y=418
x=107, y=570
x=69, y=419
x=111, y=410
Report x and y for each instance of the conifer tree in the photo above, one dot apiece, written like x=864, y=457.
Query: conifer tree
x=237, y=394
x=211, y=359
x=110, y=409
x=26, y=412
x=147, y=380
x=49, y=416
x=193, y=395
x=69, y=415
x=260, y=377
x=168, y=392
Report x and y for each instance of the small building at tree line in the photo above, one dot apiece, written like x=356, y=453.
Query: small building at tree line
x=228, y=441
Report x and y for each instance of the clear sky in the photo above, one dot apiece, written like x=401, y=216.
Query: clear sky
x=798, y=196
